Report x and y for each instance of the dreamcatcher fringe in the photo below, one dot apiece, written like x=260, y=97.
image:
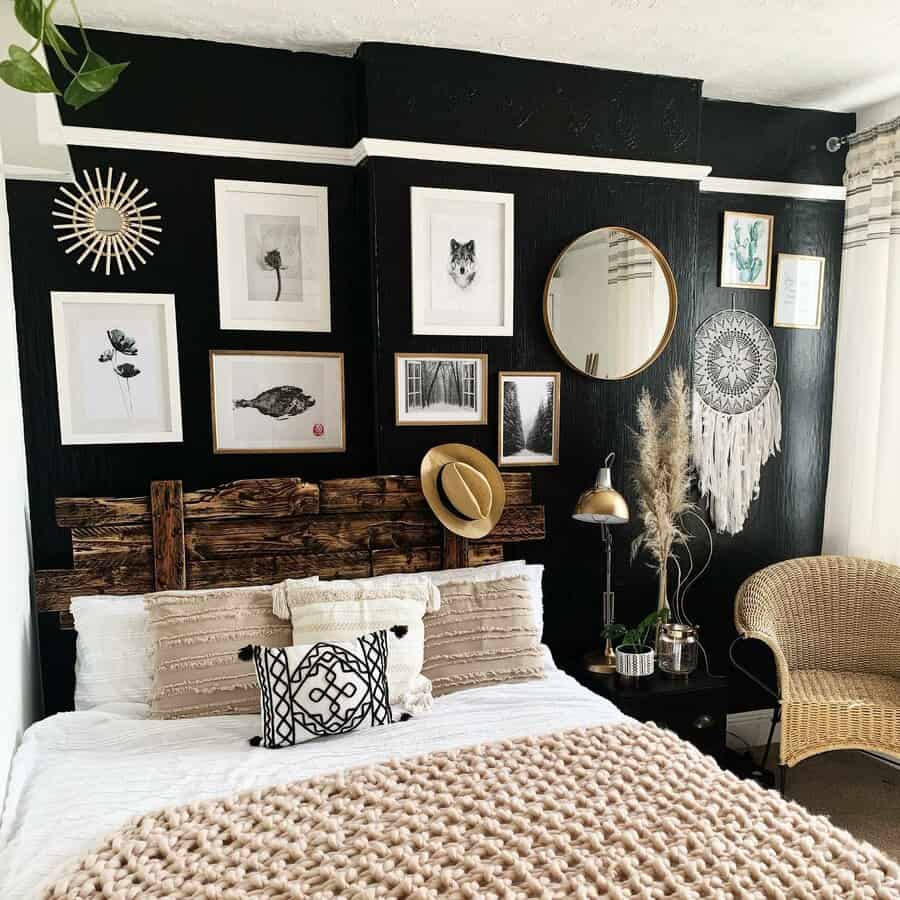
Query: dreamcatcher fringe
x=729, y=453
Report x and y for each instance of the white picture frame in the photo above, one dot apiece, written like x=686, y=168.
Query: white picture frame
x=799, y=288
x=462, y=262
x=261, y=401
x=527, y=403
x=116, y=368
x=441, y=388
x=254, y=220
x=747, y=263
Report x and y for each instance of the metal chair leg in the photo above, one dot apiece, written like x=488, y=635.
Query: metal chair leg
x=776, y=716
x=783, y=770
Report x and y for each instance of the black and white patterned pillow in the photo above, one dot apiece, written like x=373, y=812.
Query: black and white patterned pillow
x=315, y=690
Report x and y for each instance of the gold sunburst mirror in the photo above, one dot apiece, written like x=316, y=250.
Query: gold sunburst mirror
x=108, y=221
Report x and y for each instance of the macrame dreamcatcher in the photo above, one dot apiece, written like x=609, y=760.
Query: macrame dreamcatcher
x=736, y=417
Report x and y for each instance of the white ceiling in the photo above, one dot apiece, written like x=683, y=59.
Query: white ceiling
x=830, y=54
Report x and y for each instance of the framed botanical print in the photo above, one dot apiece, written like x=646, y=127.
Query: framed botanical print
x=116, y=368
x=462, y=262
x=441, y=388
x=747, y=250
x=272, y=244
x=277, y=401
x=799, y=286
x=529, y=419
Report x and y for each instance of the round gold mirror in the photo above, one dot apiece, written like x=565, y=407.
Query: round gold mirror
x=610, y=303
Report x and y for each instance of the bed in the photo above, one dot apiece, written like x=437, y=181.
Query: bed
x=570, y=798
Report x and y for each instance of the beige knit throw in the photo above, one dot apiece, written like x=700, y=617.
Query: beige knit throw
x=616, y=811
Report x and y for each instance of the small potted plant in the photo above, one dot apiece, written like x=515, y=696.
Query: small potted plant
x=634, y=655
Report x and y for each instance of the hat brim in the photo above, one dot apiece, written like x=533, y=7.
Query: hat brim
x=435, y=459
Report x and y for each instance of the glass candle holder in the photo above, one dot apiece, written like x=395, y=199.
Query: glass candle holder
x=677, y=649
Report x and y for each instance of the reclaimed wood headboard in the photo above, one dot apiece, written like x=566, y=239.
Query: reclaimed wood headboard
x=261, y=531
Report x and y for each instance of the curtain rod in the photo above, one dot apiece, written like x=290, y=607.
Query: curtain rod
x=833, y=144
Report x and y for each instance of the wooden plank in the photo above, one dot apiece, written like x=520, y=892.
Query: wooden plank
x=74, y=512
x=484, y=554
x=272, y=569
x=112, y=542
x=56, y=587
x=456, y=551
x=311, y=534
x=276, y=497
x=518, y=488
x=166, y=504
x=518, y=523
x=415, y=559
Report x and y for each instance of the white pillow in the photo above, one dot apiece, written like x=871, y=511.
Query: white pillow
x=111, y=660
x=496, y=571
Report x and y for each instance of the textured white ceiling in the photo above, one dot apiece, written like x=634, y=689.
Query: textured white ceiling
x=831, y=54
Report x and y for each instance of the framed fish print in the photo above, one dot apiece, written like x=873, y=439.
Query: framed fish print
x=528, y=430
x=116, y=368
x=441, y=388
x=277, y=401
x=747, y=250
x=462, y=262
x=272, y=243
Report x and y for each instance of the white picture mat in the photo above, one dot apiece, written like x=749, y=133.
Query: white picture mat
x=486, y=306
x=94, y=402
x=242, y=376
x=306, y=294
x=531, y=388
x=798, y=291
x=443, y=415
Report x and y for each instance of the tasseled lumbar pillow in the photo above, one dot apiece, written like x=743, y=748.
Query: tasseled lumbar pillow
x=322, y=689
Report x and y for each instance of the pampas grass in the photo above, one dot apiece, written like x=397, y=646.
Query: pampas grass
x=662, y=476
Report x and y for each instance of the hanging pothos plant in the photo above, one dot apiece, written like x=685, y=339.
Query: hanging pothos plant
x=91, y=80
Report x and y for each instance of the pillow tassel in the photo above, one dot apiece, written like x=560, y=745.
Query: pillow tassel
x=255, y=741
x=246, y=653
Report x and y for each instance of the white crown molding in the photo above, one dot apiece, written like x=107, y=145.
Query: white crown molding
x=33, y=173
x=792, y=189
x=530, y=159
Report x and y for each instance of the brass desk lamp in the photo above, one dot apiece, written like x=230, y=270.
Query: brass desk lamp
x=603, y=505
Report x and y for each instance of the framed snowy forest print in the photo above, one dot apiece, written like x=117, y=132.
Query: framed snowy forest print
x=462, y=262
x=529, y=419
x=272, y=244
x=441, y=388
x=277, y=401
x=116, y=368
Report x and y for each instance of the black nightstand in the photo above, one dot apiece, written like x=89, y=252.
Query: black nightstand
x=695, y=708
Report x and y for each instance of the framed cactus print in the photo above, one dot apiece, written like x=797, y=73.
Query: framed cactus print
x=747, y=250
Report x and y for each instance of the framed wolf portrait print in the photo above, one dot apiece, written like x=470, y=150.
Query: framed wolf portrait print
x=462, y=262
x=441, y=388
x=528, y=430
x=116, y=368
x=277, y=401
x=272, y=244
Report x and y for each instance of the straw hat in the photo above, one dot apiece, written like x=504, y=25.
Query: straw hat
x=463, y=488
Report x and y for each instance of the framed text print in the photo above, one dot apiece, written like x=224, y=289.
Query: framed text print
x=272, y=244
x=462, y=262
x=799, y=286
x=116, y=368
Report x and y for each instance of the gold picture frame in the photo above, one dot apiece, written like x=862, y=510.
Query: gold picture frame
x=474, y=415
x=530, y=457
x=726, y=269
x=791, y=309
x=322, y=425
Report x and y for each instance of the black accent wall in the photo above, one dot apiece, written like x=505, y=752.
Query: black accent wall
x=454, y=97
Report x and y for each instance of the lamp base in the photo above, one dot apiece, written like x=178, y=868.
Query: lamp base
x=600, y=662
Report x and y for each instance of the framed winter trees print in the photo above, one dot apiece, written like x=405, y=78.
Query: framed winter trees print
x=529, y=419
x=116, y=368
x=441, y=388
x=462, y=262
x=277, y=401
x=272, y=242
x=747, y=250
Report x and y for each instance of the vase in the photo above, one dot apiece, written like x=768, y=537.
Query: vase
x=634, y=661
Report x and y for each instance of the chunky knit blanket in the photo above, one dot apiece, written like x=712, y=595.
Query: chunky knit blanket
x=617, y=811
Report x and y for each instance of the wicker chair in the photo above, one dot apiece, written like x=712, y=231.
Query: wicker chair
x=833, y=624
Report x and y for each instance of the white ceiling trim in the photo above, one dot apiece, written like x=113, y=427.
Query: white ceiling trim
x=792, y=189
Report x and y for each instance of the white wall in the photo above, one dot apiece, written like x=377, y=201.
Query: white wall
x=870, y=116
x=19, y=694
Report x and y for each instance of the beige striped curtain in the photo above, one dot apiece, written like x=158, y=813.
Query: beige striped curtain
x=863, y=497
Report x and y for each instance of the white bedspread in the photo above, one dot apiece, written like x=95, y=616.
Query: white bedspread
x=79, y=776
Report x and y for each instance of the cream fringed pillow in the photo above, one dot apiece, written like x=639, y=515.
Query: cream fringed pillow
x=345, y=610
x=194, y=638
x=483, y=633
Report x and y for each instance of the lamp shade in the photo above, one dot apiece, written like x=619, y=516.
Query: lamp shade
x=602, y=504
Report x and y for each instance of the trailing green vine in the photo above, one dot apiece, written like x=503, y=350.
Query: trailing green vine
x=94, y=76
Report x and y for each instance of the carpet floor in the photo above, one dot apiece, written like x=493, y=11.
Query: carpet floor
x=856, y=791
